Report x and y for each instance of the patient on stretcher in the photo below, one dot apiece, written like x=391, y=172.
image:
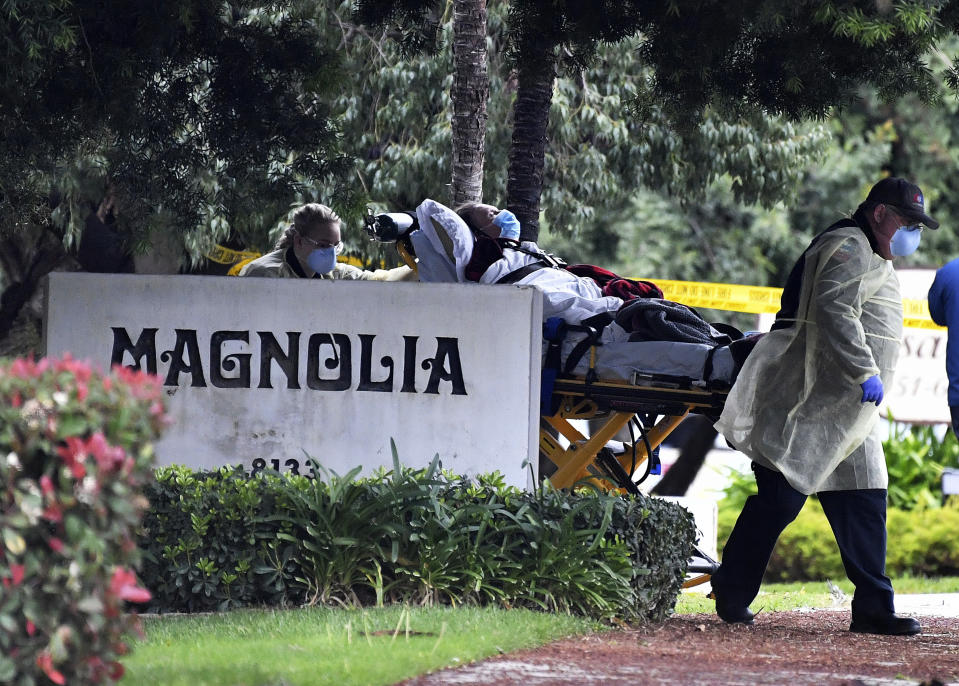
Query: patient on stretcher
x=636, y=325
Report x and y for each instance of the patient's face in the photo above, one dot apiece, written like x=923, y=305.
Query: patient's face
x=481, y=217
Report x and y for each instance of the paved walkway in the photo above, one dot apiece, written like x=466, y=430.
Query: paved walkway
x=928, y=604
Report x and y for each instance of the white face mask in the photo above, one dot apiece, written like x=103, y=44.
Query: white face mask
x=905, y=241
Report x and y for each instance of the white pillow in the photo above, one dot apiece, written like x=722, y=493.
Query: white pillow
x=448, y=234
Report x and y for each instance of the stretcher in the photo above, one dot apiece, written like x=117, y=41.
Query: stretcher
x=646, y=388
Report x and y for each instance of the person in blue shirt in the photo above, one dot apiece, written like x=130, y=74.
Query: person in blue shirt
x=944, y=310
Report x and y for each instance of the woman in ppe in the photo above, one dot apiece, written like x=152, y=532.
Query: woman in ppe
x=804, y=408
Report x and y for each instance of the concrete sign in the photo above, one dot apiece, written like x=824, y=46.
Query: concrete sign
x=266, y=372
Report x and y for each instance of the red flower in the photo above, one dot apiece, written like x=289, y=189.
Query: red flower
x=123, y=585
x=53, y=513
x=97, y=668
x=31, y=628
x=116, y=671
x=56, y=545
x=45, y=662
x=16, y=574
x=74, y=454
x=17, y=400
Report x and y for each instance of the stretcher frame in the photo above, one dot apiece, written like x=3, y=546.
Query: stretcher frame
x=587, y=460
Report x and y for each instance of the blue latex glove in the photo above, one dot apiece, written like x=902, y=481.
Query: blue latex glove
x=872, y=390
x=508, y=224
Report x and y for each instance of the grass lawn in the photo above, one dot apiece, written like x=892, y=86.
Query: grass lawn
x=309, y=647
x=314, y=646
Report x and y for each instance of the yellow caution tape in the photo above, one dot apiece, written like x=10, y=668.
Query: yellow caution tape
x=223, y=255
x=722, y=296
x=244, y=257
x=763, y=299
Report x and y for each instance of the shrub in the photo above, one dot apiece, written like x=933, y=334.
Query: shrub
x=921, y=542
x=915, y=458
x=222, y=539
x=923, y=538
x=74, y=455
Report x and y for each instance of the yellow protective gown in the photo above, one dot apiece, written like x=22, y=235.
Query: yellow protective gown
x=796, y=405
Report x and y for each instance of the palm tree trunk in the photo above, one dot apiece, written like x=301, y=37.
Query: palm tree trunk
x=470, y=93
x=527, y=155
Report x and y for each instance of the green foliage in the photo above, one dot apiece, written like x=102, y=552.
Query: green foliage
x=922, y=542
x=205, y=117
x=396, y=116
x=220, y=539
x=915, y=458
x=77, y=452
x=923, y=538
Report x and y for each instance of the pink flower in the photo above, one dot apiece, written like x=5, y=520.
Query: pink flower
x=31, y=628
x=17, y=400
x=123, y=585
x=45, y=662
x=82, y=391
x=108, y=457
x=16, y=574
x=46, y=484
x=56, y=545
x=23, y=367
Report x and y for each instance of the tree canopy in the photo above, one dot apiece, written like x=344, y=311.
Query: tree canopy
x=797, y=60
x=204, y=116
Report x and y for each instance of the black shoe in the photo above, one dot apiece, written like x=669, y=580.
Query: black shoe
x=732, y=613
x=888, y=625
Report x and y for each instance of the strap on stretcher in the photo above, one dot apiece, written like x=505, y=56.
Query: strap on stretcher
x=554, y=331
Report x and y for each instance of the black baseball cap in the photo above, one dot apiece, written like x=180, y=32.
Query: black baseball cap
x=906, y=198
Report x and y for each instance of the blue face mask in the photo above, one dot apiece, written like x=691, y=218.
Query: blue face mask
x=322, y=260
x=905, y=241
x=508, y=224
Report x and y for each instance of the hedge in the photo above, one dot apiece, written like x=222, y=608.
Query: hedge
x=921, y=542
x=223, y=539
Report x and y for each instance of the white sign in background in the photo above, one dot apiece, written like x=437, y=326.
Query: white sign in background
x=265, y=372
x=919, y=390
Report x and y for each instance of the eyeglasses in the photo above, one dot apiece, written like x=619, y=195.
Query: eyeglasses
x=902, y=220
x=323, y=245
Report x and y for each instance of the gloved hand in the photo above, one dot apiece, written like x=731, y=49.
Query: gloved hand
x=872, y=390
x=508, y=224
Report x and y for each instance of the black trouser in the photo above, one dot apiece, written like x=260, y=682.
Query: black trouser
x=954, y=412
x=858, y=521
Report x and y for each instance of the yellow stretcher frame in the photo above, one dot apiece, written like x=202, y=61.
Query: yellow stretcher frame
x=581, y=460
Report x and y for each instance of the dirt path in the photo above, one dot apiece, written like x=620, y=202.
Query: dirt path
x=794, y=648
